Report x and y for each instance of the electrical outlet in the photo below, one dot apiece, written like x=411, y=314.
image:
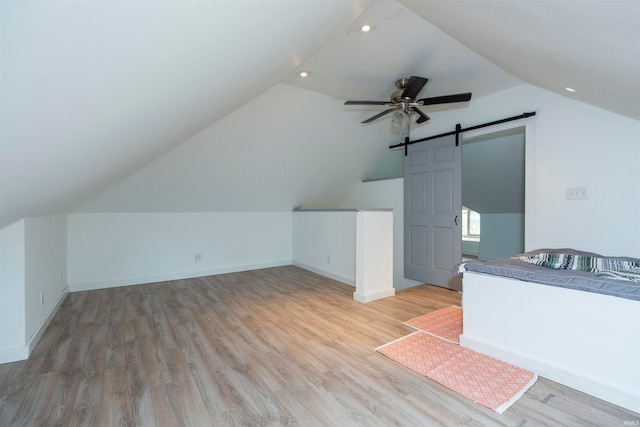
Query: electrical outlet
x=576, y=193
x=328, y=259
x=41, y=298
x=197, y=258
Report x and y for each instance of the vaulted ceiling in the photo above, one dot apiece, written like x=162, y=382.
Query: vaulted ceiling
x=94, y=92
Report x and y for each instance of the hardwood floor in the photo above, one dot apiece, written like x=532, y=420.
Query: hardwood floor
x=278, y=346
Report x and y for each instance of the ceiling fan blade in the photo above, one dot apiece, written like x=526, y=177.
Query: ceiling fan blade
x=423, y=117
x=414, y=87
x=459, y=97
x=377, y=116
x=366, y=102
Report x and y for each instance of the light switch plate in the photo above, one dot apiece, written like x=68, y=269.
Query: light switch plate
x=576, y=193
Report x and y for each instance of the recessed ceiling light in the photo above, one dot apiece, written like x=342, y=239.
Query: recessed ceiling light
x=570, y=89
x=304, y=74
x=366, y=28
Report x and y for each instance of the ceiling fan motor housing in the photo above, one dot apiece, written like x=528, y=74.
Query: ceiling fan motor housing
x=397, y=96
x=402, y=83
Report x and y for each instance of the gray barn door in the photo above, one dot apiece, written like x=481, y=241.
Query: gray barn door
x=432, y=210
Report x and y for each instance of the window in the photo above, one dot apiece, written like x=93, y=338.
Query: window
x=470, y=224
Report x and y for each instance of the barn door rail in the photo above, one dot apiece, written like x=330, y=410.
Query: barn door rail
x=459, y=130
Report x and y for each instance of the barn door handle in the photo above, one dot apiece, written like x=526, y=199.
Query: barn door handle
x=456, y=220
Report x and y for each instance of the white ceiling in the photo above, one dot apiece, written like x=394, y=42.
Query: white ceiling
x=94, y=91
x=592, y=46
x=365, y=66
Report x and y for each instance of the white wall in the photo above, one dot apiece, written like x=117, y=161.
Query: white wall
x=374, y=255
x=502, y=235
x=287, y=148
x=116, y=249
x=33, y=259
x=470, y=247
x=134, y=89
x=493, y=172
x=352, y=246
x=569, y=144
x=46, y=272
x=574, y=144
x=325, y=242
x=385, y=194
x=12, y=282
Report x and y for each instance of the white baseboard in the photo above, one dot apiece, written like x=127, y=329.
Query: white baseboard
x=35, y=337
x=90, y=286
x=611, y=393
x=372, y=297
x=325, y=273
x=15, y=354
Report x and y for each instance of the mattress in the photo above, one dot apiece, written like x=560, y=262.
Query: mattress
x=570, y=279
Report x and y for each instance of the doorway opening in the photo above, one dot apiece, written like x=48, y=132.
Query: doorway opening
x=493, y=194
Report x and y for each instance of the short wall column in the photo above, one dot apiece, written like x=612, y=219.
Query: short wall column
x=374, y=255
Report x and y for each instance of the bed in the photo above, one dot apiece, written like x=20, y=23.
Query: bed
x=579, y=328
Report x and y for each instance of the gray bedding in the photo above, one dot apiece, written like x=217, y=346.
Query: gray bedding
x=570, y=279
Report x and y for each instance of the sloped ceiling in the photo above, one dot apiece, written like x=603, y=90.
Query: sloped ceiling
x=230, y=166
x=94, y=91
x=592, y=46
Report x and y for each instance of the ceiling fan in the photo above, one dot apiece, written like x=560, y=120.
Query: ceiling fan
x=404, y=99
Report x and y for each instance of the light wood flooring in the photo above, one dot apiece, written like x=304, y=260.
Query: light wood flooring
x=278, y=346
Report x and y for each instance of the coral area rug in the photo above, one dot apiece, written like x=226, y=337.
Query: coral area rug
x=483, y=379
x=445, y=323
